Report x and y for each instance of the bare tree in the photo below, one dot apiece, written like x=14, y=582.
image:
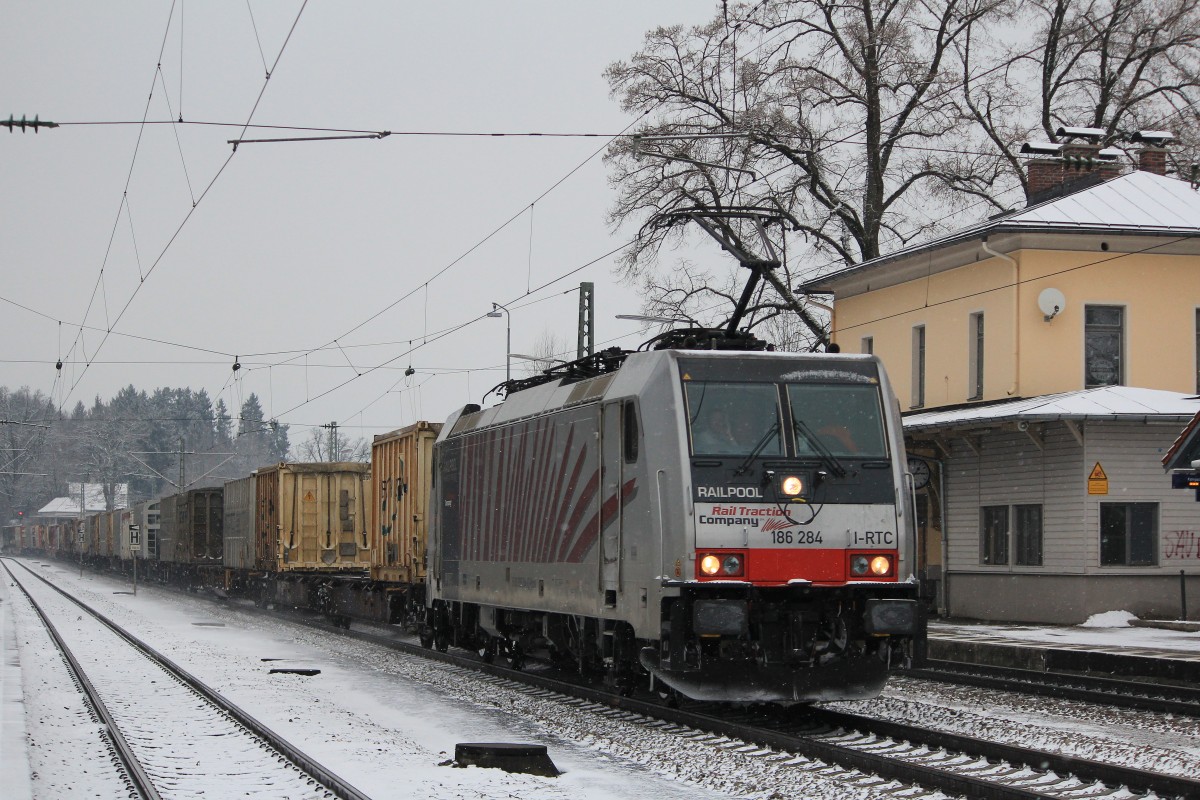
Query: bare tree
x=873, y=123
x=842, y=115
x=1116, y=65
x=320, y=446
x=547, y=350
x=25, y=425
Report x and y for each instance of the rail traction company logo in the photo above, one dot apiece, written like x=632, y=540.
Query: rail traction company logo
x=768, y=518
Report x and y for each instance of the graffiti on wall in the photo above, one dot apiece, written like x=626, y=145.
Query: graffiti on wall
x=1181, y=546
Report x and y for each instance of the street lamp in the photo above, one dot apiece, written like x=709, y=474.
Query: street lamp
x=508, y=337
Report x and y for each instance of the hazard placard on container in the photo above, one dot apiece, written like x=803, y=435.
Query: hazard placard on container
x=308, y=497
x=1098, y=480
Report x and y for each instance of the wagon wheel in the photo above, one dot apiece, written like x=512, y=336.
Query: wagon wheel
x=487, y=650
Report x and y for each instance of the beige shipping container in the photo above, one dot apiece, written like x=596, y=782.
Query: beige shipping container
x=313, y=517
x=401, y=473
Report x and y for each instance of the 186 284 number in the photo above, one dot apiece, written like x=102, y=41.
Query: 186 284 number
x=796, y=537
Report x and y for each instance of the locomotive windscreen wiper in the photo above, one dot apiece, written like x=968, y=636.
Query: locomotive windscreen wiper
x=758, y=448
x=827, y=457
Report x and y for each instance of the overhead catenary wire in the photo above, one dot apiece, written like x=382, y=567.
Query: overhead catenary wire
x=196, y=202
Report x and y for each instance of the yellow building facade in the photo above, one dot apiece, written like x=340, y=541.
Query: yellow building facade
x=1020, y=350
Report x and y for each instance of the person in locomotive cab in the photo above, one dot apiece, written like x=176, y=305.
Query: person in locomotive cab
x=724, y=432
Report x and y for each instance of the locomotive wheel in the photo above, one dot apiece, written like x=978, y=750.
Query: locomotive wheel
x=516, y=656
x=668, y=695
x=426, y=638
x=487, y=651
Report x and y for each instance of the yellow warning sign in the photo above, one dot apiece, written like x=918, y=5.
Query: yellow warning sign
x=308, y=496
x=1098, y=480
x=687, y=377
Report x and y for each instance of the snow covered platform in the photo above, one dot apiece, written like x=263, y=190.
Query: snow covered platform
x=1107, y=644
x=14, y=738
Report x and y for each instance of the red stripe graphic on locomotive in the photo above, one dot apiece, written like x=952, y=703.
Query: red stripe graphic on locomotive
x=582, y=505
x=544, y=529
x=601, y=519
x=537, y=508
x=520, y=504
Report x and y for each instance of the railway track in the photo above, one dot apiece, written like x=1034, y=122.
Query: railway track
x=857, y=749
x=898, y=759
x=173, y=735
x=1139, y=695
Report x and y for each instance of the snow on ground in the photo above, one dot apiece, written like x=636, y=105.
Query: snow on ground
x=1051, y=635
x=1159, y=742
x=1146, y=740
x=1109, y=619
x=384, y=720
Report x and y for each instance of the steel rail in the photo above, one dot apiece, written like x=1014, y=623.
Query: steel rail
x=133, y=767
x=866, y=762
x=1136, y=780
x=327, y=778
x=1137, y=695
x=779, y=733
x=782, y=734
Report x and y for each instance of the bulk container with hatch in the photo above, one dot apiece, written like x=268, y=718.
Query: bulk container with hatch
x=121, y=520
x=190, y=528
x=100, y=528
x=401, y=474
x=313, y=517
x=239, y=524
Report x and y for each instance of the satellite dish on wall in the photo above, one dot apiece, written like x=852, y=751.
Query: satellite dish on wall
x=1051, y=302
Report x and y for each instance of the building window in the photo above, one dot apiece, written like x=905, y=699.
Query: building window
x=1103, y=343
x=1129, y=534
x=1027, y=527
x=975, y=358
x=868, y=342
x=993, y=543
x=918, y=366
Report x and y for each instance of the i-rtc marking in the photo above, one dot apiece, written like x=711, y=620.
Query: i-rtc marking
x=873, y=539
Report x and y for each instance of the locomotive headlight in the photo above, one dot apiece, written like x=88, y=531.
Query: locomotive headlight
x=792, y=486
x=722, y=565
x=881, y=565
x=859, y=565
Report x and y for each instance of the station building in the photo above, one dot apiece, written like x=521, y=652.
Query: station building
x=1045, y=361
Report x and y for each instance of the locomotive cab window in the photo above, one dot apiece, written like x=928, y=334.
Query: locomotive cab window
x=733, y=419
x=845, y=419
x=629, y=421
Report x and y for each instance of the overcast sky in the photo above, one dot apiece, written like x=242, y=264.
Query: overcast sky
x=285, y=247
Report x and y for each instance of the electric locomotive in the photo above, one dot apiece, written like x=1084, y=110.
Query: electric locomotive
x=727, y=525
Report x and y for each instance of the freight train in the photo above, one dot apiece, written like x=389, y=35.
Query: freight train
x=718, y=524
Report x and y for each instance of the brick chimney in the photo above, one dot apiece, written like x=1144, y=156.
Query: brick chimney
x=1153, y=155
x=1152, y=159
x=1055, y=177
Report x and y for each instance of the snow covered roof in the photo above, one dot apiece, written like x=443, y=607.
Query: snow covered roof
x=69, y=506
x=1136, y=203
x=1111, y=403
x=1180, y=456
